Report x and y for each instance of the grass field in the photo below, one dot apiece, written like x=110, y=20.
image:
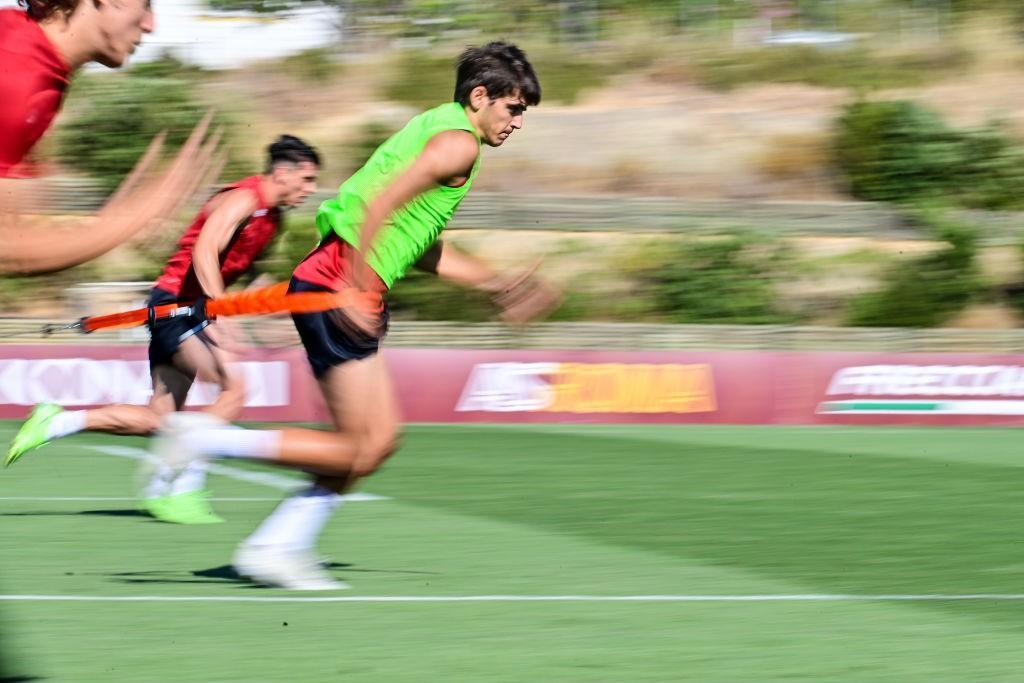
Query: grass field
x=621, y=554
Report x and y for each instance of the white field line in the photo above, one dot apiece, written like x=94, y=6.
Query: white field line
x=274, y=481
x=799, y=597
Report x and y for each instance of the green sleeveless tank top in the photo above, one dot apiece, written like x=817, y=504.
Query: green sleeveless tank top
x=411, y=230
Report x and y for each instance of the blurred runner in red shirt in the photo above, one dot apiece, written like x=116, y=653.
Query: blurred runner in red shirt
x=41, y=47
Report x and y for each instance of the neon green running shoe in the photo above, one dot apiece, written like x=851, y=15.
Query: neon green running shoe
x=191, y=507
x=34, y=433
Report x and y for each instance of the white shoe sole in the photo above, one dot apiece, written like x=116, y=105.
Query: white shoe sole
x=281, y=569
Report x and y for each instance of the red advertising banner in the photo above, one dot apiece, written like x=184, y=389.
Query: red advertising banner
x=536, y=386
x=447, y=385
x=917, y=388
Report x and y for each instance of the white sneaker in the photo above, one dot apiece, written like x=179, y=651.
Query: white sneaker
x=283, y=568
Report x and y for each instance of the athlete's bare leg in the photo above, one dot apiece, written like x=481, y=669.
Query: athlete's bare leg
x=211, y=364
x=280, y=552
x=370, y=410
x=365, y=413
x=171, y=383
x=169, y=389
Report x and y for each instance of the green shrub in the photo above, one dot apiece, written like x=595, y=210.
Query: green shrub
x=925, y=291
x=113, y=119
x=991, y=170
x=893, y=151
x=722, y=280
x=899, y=151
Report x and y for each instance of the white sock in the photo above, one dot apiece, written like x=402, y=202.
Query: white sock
x=234, y=442
x=66, y=423
x=298, y=520
x=192, y=478
x=160, y=483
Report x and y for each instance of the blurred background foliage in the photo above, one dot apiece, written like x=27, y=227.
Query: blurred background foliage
x=881, y=143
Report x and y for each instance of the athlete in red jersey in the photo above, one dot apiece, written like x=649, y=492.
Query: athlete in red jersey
x=40, y=48
x=180, y=278
x=32, y=89
x=229, y=233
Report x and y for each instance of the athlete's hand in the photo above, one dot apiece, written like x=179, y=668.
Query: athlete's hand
x=361, y=317
x=276, y=329
x=275, y=332
x=227, y=334
x=145, y=199
x=525, y=297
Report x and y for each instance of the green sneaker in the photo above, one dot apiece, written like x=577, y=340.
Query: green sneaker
x=34, y=433
x=154, y=507
x=191, y=507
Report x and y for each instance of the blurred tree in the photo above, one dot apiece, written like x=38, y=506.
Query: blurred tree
x=112, y=119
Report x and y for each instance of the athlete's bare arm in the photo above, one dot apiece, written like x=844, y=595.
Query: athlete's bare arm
x=451, y=263
x=521, y=295
x=39, y=244
x=228, y=212
x=447, y=159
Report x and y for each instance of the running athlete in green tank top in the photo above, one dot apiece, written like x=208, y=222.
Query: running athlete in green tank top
x=385, y=218
x=411, y=229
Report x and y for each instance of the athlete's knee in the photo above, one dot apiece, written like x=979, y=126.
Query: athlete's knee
x=377, y=449
x=233, y=382
x=230, y=402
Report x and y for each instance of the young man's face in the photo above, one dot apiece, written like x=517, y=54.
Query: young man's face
x=121, y=26
x=499, y=117
x=297, y=182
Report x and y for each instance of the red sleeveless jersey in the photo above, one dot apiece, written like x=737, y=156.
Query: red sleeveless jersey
x=33, y=78
x=250, y=239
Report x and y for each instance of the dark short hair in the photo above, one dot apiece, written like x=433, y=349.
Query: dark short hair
x=502, y=68
x=288, y=149
x=44, y=9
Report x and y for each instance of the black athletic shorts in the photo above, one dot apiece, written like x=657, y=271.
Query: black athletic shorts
x=167, y=334
x=329, y=338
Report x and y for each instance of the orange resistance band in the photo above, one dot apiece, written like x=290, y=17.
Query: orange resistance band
x=262, y=301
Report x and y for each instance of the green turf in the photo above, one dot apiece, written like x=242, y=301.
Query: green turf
x=550, y=511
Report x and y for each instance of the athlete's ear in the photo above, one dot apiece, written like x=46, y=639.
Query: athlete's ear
x=277, y=173
x=478, y=98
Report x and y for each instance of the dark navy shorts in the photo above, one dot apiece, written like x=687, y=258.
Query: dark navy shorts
x=328, y=337
x=167, y=334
